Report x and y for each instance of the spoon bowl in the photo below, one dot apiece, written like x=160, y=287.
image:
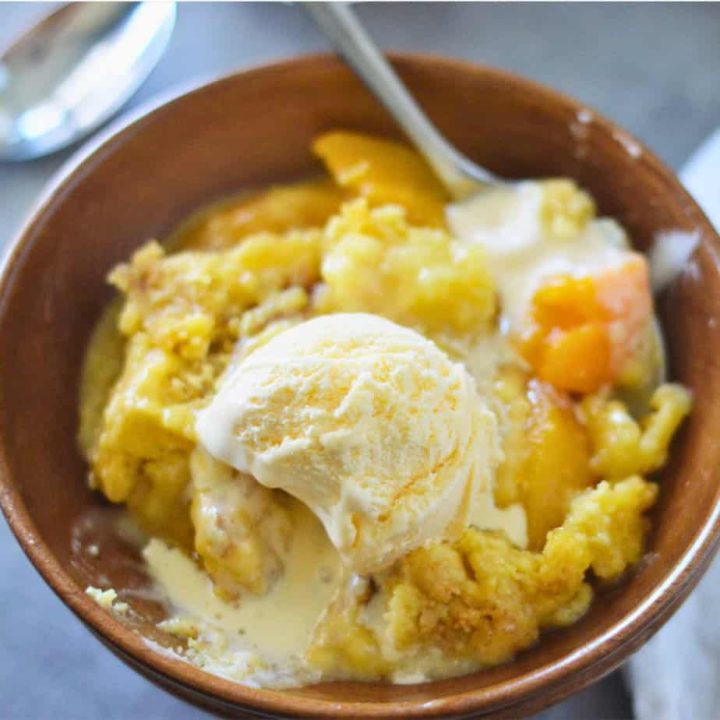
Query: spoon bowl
x=252, y=129
x=72, y=71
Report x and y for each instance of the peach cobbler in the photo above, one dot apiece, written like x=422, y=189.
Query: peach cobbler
x=373, y=434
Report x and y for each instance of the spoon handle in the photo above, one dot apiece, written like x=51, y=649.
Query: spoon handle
x=341, y=26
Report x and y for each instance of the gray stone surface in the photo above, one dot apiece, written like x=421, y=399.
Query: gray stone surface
x=652, y=67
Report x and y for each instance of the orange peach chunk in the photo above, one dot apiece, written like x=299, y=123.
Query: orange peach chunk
x=586, y=329
x=384, y=173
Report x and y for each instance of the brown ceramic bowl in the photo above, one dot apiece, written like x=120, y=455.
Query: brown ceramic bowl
x=255, y=128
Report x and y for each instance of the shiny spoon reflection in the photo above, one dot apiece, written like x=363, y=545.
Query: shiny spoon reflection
x=74, y=69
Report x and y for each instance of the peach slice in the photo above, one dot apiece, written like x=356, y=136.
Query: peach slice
x=384, y=172
x=585, y=329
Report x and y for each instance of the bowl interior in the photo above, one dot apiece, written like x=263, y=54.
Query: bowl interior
x=255, y=129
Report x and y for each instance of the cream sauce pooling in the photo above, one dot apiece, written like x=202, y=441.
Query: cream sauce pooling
x=276, y=626
x=512, y=520
x=507, y=223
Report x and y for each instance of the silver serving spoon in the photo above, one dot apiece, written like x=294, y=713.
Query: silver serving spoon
x=460, y=175
x=72, y=71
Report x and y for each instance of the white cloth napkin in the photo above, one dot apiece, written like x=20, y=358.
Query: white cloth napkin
x=676, y=676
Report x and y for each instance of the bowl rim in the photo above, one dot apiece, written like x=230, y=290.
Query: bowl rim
x=537, y=687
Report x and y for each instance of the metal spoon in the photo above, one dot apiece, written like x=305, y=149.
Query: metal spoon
x=74, y=70
x=460, y=175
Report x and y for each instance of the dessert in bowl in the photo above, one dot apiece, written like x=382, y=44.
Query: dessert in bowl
x=391, y=434
x=343, y=366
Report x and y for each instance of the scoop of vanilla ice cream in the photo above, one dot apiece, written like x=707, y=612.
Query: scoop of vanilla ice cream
x=368, y=423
